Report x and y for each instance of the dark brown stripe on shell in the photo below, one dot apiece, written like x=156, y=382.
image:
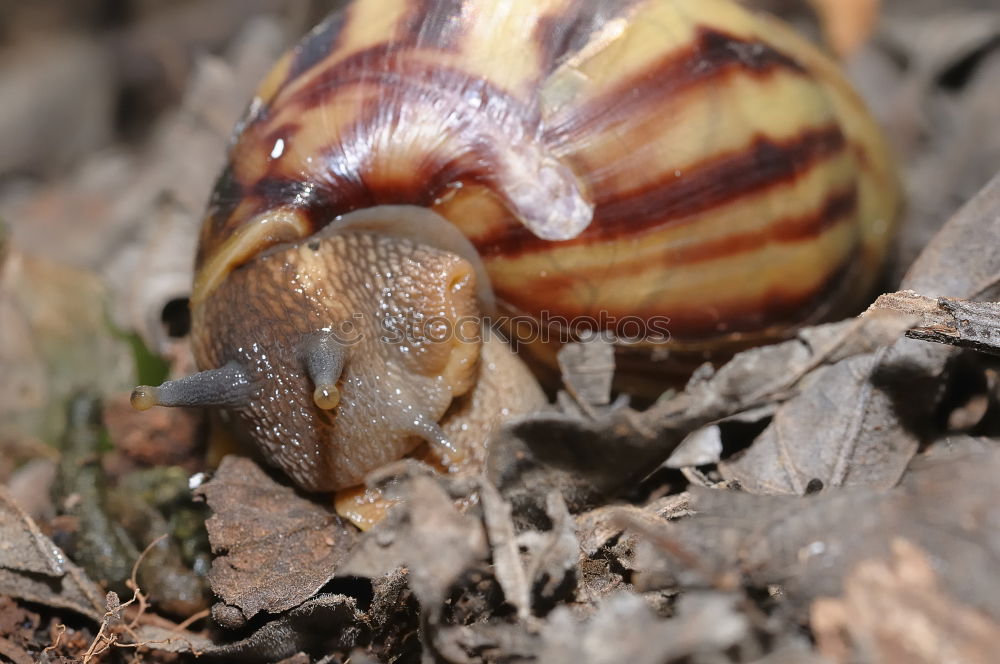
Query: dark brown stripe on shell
x=564, y=33
x=274, y=192
x=839, y=206
x=715, y=182
x=713, y=55
x=383, y=65
x=227, y=194
x=431, y=24
x=319, y=43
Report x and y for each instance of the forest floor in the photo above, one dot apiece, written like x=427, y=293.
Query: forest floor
x=830, y=499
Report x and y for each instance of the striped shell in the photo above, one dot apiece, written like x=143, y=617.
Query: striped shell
x=681, y=159
x=735, y=179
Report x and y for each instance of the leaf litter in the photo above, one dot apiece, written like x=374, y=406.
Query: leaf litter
x=829, y=498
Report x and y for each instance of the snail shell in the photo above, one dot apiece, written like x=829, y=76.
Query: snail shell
x=679, y=162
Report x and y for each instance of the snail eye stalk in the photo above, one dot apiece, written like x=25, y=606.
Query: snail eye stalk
x=226, y=386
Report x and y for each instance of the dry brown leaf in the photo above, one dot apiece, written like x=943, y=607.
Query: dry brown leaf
x=274, y=549
x=899, y=612
x=624, y=629
x=842, y=430
x=588, y=459
x=949, y=505
x=507, y=564
x=428, y=536
x=34, y=569
x=961, y=260
x=326, y=621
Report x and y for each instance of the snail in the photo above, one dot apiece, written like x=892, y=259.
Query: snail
x=411, y=167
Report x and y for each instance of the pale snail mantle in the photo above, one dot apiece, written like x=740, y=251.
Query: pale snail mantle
x=682, y=159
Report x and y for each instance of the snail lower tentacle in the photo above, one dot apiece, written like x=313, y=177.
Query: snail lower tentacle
x=324, y=357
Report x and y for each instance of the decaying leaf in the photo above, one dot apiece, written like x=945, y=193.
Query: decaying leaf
x=507, y=564
x=428, y=536
x=34, y=569
x=587, y=368
x=324, y=622
x=897, y=611
x=273, y=548
x=590, y=459
x=624, y=629
x=948, y=505
x=842, y=430
x=961, y=261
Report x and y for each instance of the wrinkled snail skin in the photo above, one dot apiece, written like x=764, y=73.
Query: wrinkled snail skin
x=436, y=160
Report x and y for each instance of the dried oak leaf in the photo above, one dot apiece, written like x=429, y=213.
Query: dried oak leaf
x=274, y=549
x=899, y=612
x=34, y=569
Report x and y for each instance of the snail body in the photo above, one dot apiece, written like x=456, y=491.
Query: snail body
x=679, y=161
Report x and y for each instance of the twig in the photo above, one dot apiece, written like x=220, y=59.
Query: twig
x=952, y=321
x=103, y=641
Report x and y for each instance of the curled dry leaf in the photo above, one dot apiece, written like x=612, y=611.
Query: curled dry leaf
x=898, y=611
x=32, y=568
x=274, y=549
